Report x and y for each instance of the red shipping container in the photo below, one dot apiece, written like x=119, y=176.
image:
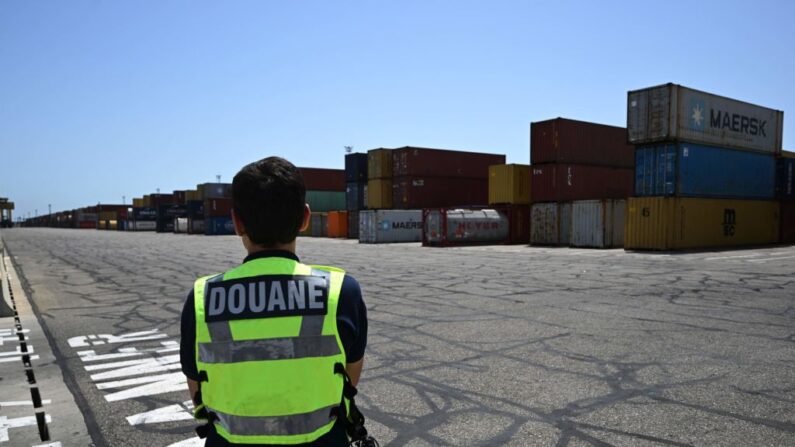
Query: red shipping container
x=562, y=140
x=160, y=199
x=87, y=224
x=179, y=197
x=100, y=208
x=417, y=161
x=217, y=207
x=567, y=182
x=319, y=179
x=438, y=192
x=787, y=226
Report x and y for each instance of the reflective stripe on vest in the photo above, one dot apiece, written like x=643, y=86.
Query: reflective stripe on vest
x=271, y=380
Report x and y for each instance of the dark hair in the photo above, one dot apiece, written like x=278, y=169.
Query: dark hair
x=268, y=197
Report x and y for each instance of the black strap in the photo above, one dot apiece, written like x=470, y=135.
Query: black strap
x=352, y=419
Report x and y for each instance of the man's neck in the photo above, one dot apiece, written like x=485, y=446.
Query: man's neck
x=252, y=248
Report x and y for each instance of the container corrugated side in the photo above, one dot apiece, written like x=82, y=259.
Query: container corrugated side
x=439, y=192
x=324, y=201
x=412, y=161
x=672, y=112
x=568, y=182
x=218, y=226
x=562, y=140
x=694, y=170
x=390, y=226
x=353, y=224
x=379, y=193
x=338, y=224
x=379, y=163
x=355, y=168
x=673, y=223
x=354, y=196
x=785, y=178
x=322, y=179
x=319, y=224
x=598, y=223
x=509, y=184
x=550, y=223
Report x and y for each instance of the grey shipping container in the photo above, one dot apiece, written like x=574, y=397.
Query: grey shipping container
x=353, y=225
x=388, y=226
x=671, y=112
x=319, y=225
x=180, y=225
x=598, y=223
x=550, y=223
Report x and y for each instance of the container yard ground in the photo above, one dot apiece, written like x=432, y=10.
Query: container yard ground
x=488, y=345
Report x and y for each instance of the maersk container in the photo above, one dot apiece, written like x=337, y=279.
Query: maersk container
x=324, y=201
x=598, y=223
x=354, y=196
x=785, y=178
x=412, y=161
x=550, y=224
x=389, y=226
x=694, y=170
x=218, y=226
x=672, y=112
x=562, y=140
x=675, y=223
x=559, y=182
x=356, y=168
x=499, y=225
x=353, y=224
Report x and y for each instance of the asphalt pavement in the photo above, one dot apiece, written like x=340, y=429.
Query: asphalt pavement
x=473, y=346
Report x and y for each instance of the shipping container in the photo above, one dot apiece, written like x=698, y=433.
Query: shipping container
x=550, y=224
x=142, y=225
x=499, y=225
x=562, y=140
x=218, y=226
x=324, y=201
x=354, y=196
x=439, y=192
x=672, y=112
x=181, y=225
x=138, y=203
x=321, y=179
x=598, y=223
x=673, y=223
x=217, y=207
x=356, y=168
x=694, y=170
x=196, y=225
x=785, y=178
x=390, y=226
x=509, y=184
x=353, y=224
x=379, y=194
x=338, y=224
x=215, y=190
x=319, y=225
x=179, y=197
x=195, y=208
x=424, y=162
x=379, y=163
x=144, y=214
x=787, y=223
x=193, y=195
x=166, y=214
x=156, y=200
x=568, y=182
x=108, y=215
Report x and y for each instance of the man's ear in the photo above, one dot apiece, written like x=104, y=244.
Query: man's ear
x=307, y=218
x=240, y=230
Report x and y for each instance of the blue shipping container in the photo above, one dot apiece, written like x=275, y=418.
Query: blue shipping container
x=785, y=179
x=218, y=226
x=355, y=168
x=354, y=196
x=694, y=170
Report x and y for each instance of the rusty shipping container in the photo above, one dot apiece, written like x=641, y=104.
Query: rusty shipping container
x=787, y=224
x=411, y=161
x=321, y=179
x=219, y=207
x=675, y=223
x=569, y=182
x=379, y=163
x=438, y=192
x=672, y=112
x=509, y=184
x=379, y=194
x=179, y=197
x=598, y=223
x=454, y=226
x=562, y=140
x=550, y=224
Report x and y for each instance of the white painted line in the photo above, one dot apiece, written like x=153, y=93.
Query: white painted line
x=193, y=442
x=17, y=351
x=17, y=359
x=159, y=384
x=22, y=403
x=52, y=444
x=101, y=339
x=136, y=367
x=6, y=424
x=166, y=414
x=91, y=356
x=771, y=259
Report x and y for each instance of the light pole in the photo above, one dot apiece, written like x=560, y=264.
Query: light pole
x=49, y=214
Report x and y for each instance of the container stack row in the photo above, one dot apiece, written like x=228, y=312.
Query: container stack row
x=705, y=170
x=581, y=176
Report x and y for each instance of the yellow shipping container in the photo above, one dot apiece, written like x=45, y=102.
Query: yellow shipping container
x=379, y=194
x=138, y=203
x=192, y=195
x=107, y=215
x=147, y=201
x=509, y=184
x=672, y=223
x=379, y=164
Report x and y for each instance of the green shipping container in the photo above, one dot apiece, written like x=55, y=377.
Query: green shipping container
x=322, y=201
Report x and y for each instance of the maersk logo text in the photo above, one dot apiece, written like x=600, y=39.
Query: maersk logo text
x=737, y=123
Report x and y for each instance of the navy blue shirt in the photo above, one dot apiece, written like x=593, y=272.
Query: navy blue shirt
x=351, y=325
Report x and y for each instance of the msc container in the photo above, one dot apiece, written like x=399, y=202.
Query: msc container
x=181, y=225
x=215, y=190
x=509, y=184
x=787, y=224
x=439, y=192
x=568, y=182
x=354, y=196
x=550, y=224
x=324, y=201
x=379, y=163
x=319, y=225
x=353, y=224
x=217, y=207
x=500, y=225
x=356, y=168
x=598, y=223
x=321, y=179
x=420, y=162
x=673, y=223
x=379, y=193
x=671, y=112
x=785, y=179
x=694, y=170
x=562, y=140
x=338, y=224
x=388, y=226
x=218, y=226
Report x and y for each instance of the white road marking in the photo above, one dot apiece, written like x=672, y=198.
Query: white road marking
x=170, y=413
x=135, y=367
x=92, y=356
x=12, y=339
x=18, y=358
x=193, y=442
x=52, y=444
x=6, y=424
x=6, y=332
x=159, y=384
x=17, y=351
x=22, y=403
x=101, y=339
x=771, y=259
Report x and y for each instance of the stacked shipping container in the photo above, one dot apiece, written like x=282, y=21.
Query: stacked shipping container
x=705, y=171
x=785, y=193
x=355, y=191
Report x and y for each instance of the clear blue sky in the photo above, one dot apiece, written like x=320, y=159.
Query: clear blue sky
x=100, y=99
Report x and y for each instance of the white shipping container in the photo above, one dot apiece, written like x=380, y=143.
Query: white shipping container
x=550, y=223
x=388, y=226
x=598, y=223
x=181, y=225
x=672, y=112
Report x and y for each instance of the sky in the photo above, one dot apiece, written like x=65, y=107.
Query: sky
x=102, y=99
